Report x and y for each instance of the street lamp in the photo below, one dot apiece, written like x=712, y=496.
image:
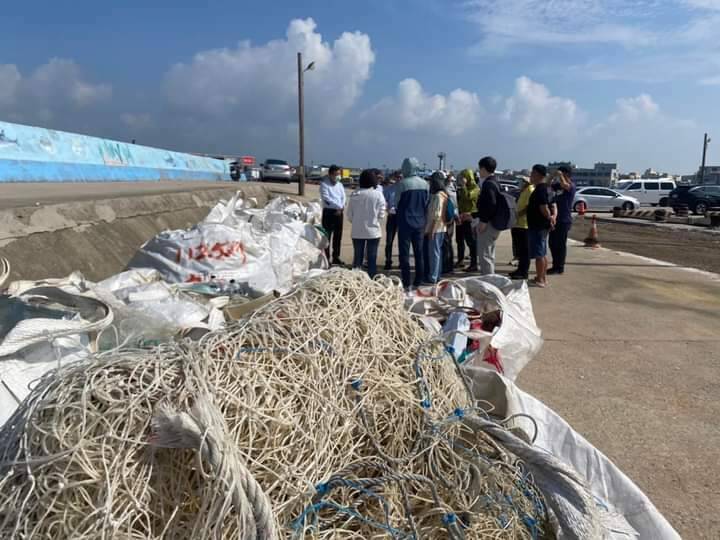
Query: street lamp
x=301, y=120
x=706, y=141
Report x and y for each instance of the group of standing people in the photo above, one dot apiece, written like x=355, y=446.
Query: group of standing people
x=424, y=215
x=544, y=210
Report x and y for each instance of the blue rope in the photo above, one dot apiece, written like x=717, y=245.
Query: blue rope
x=502, y=501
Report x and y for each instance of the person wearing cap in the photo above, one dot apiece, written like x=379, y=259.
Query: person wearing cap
x=411, y=199
x=332, y=194
x=520, y=230
x=564, y=190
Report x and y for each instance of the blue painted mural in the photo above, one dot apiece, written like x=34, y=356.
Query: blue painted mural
x=33, y=154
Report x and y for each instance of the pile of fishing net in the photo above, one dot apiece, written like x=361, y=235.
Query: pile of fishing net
x=328, y=413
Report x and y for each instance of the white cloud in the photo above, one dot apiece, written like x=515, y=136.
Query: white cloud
x=55, y=88
x=413, y=109
x=136, y=121
x=704, y=4
x=635, y=109
x=639, y=134
x=61, y=79
x=512, y=23
x=711, y=81
x=258, y=83
x=9, y=82
x=532, y=110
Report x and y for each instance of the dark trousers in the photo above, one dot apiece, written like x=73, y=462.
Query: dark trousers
x=333, y=225
x=411, y=237
x=558, y=245
x=465, y=237
x=363, y=247
x=390, y=232
x=448, y=255
x=521, y=250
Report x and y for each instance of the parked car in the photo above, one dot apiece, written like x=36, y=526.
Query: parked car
x=600, y=198
x=277, y=169
x=698, y=198
x=234, y=171
x=652, y=192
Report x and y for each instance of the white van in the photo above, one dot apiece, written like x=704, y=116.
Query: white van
x=652, y=192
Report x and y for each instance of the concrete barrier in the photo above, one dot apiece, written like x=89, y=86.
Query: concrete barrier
x=99, y=237
x=714, y=216
x=33, y=154
x=655, y=214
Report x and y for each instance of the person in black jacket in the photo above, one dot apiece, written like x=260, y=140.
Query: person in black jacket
x=487, y=207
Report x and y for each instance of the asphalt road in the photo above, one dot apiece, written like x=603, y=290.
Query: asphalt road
x=675, y=245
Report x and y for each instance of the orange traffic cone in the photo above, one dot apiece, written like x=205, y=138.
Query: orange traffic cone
x=592, y=239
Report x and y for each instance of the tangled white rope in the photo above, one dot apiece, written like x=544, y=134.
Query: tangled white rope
x=329, y=413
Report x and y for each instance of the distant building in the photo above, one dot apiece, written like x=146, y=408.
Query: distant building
x=602, y=174
x=712, y=175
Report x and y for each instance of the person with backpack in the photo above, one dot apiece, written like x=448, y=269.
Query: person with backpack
x=496, y=212
x=438, y=212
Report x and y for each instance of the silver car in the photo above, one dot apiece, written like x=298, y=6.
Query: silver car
x=277, y=169
x=600, y=198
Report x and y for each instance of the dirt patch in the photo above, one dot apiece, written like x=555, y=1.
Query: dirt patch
x=684, y=248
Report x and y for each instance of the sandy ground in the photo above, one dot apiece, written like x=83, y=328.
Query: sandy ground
x=678, y=245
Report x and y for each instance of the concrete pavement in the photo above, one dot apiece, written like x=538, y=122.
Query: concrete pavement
x=29, y=194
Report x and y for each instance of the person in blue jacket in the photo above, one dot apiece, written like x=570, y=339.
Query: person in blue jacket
x=412, y=196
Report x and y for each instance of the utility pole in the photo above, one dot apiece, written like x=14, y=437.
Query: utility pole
x=301, y=125
x=706, y=141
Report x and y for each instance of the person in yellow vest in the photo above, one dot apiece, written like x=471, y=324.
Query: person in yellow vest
x=520, y=231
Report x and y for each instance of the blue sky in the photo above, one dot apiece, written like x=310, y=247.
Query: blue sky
x=635, y=82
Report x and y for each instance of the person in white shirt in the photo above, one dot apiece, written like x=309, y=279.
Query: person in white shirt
x=332, y=193
x=365, y=211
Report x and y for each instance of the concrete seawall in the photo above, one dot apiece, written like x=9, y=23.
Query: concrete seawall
x=34, y=154
x=99, y=237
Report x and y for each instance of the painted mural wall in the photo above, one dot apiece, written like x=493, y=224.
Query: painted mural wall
x=33, y=154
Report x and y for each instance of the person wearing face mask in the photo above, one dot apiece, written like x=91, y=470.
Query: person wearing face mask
x=332, y=194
